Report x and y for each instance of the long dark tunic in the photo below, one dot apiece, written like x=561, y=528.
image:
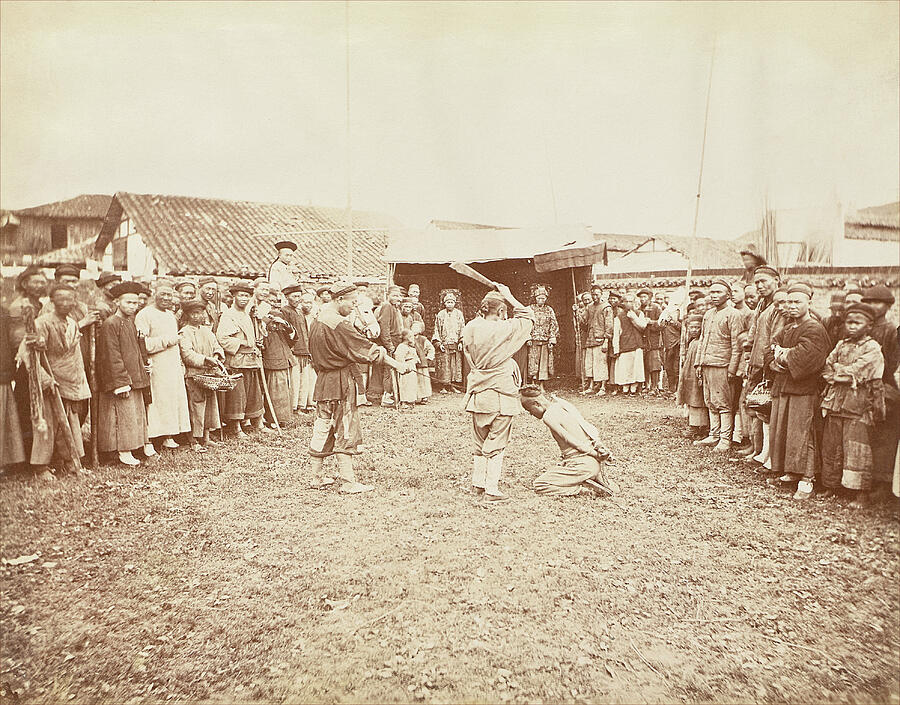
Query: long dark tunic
x=120, y=355
x=336, y=348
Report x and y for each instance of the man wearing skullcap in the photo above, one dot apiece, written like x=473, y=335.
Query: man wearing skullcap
x=209, y=295
x=168, y=414
x=415, y=294
x=543, y=339
x=447, y=339
x=123, y=379
x=834, y=323
x=240, y=337
x=338, y=350
x=103, y=301
x=795, y=363
x=651, y=340
x=690, y=392
x=492, y=385
x=380, y=389
x=201, y=354
x=83, y=315
x=886, y=432
x=281, y=273
x=717, y=361
x=61, y=337
x=293, y=312
x=853, y=402
x=767, y=320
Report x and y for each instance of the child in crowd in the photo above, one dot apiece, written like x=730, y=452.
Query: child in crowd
x=200, y=353
x=581, y=464
x=406, y=354
x=690, y=393
x=425, y=352
x=853, y=402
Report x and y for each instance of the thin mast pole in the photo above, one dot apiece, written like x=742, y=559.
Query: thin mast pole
x=349, y=225
x=693, y=246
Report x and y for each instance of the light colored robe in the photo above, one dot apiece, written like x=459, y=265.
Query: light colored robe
x=168, y=413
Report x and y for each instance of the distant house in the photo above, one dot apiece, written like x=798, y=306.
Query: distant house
x=28, y=233
x=662, y=260
x=830, y=236
x=181, y=235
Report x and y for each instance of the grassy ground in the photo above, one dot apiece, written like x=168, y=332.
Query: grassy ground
x=220, y=578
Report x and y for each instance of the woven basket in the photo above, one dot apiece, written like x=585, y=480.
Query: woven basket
x=760, y=397
x=217, y=382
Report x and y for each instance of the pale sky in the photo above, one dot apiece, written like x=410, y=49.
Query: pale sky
x=463, y=111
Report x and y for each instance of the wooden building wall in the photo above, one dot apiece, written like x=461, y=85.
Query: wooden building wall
x=32, y=235
x=518, y=275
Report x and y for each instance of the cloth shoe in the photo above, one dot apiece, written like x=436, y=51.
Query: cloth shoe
x=715, y=428
x=726, y=423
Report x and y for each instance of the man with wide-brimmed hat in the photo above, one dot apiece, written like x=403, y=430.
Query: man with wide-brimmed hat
x=338, y=350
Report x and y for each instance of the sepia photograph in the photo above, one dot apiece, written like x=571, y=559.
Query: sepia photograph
x=449, y=351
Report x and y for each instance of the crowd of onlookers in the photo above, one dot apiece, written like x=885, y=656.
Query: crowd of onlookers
x=809, y=399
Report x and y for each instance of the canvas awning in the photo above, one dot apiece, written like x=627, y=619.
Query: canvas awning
x=574, y=255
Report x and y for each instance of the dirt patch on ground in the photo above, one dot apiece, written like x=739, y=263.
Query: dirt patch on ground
x=221, y=578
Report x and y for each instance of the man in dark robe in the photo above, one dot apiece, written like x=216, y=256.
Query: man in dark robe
x=337, y=350
x=885, y=433
x=795, y=362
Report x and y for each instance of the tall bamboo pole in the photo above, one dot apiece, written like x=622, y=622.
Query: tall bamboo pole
x=693, y=245
x=349, y=226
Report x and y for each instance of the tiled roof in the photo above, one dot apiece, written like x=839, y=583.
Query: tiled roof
x=73, y=254
x=87, y=205
x=214, y=236
x=874, y=223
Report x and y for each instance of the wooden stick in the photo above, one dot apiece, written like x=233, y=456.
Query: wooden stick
x=266, y=397
x=94, y=404
x=62, y=417
x=36, y=397
x=648, y=664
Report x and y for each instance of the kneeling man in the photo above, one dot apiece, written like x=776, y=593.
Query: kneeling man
x=582, y=453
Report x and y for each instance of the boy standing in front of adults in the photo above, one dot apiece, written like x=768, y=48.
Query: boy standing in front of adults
x=492, y=386
x=200, y=353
